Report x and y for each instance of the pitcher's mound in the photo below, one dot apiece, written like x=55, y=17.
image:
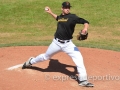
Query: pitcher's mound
x=59, y=73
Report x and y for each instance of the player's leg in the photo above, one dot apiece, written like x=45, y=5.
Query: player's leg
x=52, y=49
x=76, y=56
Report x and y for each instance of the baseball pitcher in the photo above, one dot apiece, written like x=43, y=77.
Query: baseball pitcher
x=62, y=41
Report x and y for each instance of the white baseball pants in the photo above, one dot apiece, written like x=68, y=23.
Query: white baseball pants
x=70, y=49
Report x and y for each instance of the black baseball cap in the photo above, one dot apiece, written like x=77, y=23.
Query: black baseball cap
x=66, y=4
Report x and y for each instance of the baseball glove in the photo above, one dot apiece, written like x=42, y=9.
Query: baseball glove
x=82, y=36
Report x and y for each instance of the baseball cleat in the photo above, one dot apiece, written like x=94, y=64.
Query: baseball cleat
x=27, y=64
x=86, y=84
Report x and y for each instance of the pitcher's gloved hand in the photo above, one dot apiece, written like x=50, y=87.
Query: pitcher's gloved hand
x=82, y=36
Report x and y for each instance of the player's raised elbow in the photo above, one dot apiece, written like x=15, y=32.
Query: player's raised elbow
x=86, y=22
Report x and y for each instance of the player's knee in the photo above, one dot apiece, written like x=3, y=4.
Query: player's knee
x=46, y=57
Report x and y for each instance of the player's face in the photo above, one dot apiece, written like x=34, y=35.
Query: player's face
x=66, y=10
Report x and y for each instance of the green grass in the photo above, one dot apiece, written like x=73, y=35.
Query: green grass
x=25, y=23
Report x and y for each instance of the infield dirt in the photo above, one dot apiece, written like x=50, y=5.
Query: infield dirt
x=103, y=68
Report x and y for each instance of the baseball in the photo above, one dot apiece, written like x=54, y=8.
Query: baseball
x=46, y=9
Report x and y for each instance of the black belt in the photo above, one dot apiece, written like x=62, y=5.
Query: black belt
x=62, y=41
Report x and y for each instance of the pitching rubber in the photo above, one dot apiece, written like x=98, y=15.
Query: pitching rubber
x=15, y=67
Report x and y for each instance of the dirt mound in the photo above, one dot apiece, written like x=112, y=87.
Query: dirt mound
x=103, y=68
